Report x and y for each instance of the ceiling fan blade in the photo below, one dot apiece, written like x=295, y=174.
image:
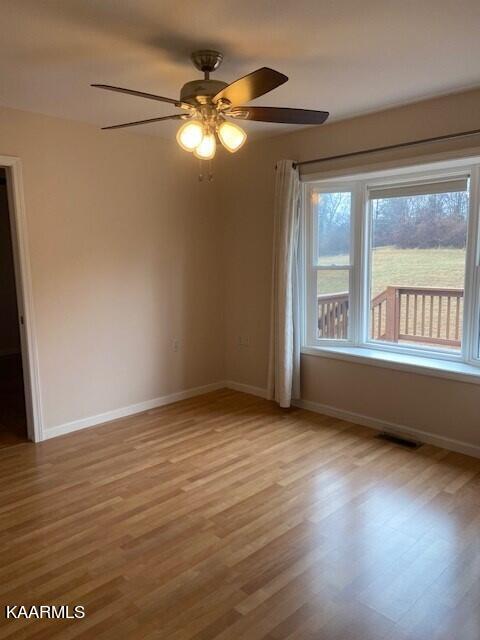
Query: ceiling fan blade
x=279, y=114
x=142, y=94
x=178, y=116
x=251, y=86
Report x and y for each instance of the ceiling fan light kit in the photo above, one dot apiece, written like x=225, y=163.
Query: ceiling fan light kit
x=208, y=105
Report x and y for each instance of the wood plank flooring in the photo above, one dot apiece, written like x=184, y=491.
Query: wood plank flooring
x=225, y=518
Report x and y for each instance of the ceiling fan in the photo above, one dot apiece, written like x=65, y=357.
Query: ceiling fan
x=210, y=106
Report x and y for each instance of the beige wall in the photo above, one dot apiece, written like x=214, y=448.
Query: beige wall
x=445, y=408
x=123, y=245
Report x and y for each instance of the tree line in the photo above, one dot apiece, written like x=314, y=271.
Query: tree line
x=408, y=222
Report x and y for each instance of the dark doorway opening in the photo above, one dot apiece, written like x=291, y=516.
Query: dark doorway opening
x=13, y=418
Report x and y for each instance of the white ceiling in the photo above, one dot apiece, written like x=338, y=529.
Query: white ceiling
x=345, y=56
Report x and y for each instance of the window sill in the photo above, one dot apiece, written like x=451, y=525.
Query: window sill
x=403, y=362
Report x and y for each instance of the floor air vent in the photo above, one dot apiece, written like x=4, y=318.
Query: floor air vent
x=402, y=442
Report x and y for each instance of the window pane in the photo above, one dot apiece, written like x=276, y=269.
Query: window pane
x=332, y=213
x=333, y=303
x=418, y=269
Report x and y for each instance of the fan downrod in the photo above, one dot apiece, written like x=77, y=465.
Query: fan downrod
x=207, y=60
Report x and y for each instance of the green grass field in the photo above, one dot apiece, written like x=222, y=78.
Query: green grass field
x=402, y=267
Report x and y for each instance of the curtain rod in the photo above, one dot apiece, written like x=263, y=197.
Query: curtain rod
x=399, y=145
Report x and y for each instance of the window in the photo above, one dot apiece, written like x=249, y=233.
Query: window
x=417, y=263
x=391, y=262
x=331, y=262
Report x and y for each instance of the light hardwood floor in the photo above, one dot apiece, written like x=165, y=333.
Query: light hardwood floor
x=224, y=517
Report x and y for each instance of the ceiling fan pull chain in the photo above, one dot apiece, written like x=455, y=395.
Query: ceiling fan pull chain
x=208, y=173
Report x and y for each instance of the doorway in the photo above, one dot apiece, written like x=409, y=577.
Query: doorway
x=13, y=415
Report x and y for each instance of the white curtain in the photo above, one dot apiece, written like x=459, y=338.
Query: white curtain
x=284, y=362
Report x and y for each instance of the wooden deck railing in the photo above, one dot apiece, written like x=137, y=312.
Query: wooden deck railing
x=333, y=315
x=427, y=315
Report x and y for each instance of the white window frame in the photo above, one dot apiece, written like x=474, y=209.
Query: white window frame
x=358, y=343
x=312, y=267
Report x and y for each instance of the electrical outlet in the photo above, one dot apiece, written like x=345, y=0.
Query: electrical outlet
x=243, y=341
x=176, y=344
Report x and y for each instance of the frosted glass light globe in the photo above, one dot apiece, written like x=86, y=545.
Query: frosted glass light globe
x=207, y=147
x=190, y=135
x=231, y=136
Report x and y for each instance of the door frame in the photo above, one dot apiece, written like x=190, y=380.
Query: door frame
x=23, y=284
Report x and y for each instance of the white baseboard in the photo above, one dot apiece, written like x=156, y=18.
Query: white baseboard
x=350, y=416
x=246, y=388
x=115, y=414
x=108, y=416
x=382, y=425
x=367, y=421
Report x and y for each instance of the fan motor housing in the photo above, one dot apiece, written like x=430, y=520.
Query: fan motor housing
x=199, y=91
